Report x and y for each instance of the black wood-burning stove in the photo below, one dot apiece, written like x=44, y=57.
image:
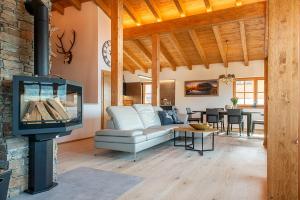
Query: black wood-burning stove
x=44, y=107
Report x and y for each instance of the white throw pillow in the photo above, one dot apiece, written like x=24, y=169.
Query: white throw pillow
x=148, y=115
x=125, y=117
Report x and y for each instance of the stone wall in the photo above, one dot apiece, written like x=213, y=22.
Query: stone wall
x=16, y=58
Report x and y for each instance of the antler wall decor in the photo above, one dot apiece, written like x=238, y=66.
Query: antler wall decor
x=68, y=56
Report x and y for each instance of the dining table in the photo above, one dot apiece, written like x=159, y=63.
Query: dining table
x=248, y=114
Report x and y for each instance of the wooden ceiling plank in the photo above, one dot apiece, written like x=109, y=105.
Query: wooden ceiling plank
x=180, y=7
x=248, y=11
x=106, y=9
x=76, y=4
x=154, y=9
x=168, y=56
x=220, y=45
x=128, y=68
x=135, y=60
x=128, y=8
x=244, y=42
x=180, y=51
x=238, y=2
x=145, y=51
x=207, y=5
x=199, y=47
x=58, y=7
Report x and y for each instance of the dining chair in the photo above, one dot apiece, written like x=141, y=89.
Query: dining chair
x=234, y=116
x=257, y=121
x=213, y=117
x=190, y=113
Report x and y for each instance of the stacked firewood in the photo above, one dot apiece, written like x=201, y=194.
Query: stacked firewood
x=48, y=110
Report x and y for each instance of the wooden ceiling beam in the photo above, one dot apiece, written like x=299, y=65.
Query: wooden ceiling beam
x=135, y=60
x=76, y=4
x=168, y=56
x=128, y=8
x=177, y=46
x=180, y=7
x=248, y=11
x=207, y=5
x=220, y=45
x=145, y=51
x=106, y=9
x=58, y=7
x=199, y=47
x=154, y=9
x=244, y=42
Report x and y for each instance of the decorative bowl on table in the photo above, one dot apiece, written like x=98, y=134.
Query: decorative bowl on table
x=201, y=126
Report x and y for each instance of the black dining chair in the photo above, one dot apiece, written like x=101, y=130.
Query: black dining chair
x=190, y=113
x=213, y=117
x=234, y=116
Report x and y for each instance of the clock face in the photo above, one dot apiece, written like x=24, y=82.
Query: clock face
x=106, y=52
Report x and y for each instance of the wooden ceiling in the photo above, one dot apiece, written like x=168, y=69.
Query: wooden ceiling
x=192, y=32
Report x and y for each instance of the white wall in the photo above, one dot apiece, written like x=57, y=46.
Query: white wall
x=93, y=29
x=255, y=69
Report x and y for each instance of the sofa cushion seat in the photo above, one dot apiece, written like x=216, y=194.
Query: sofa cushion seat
x=119, y=133
x=117, y=139
x=151, y=133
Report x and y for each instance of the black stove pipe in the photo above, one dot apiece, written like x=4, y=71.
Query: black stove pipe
x=41, y=36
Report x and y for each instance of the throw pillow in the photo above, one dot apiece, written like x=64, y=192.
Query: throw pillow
x=175, y=117
x=165, y=118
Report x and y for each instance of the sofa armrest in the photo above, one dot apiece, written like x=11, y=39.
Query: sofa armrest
x=119, y=133
x=183, y=117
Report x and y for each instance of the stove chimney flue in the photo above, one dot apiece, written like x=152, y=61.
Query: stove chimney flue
x=41, y=36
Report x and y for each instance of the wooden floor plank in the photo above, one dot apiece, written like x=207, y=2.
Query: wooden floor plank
x=235, y=170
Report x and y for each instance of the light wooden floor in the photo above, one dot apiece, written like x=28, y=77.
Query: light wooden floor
x=236, y=170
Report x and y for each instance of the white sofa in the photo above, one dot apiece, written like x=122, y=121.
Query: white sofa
x=134, y=129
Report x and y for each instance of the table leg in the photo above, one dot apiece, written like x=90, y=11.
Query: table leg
x=185, y=140
x=213, y=141
x=249, y=120
x=202, y=115
x=174, y=132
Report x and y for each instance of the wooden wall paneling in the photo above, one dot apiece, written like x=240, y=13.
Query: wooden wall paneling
x=117, y=52
x=220, y=45
x=283, y=103
x=155, y=69
x=167, y=91
x=244, y=42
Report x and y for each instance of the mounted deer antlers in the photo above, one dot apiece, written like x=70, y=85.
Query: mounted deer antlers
x=68, y=56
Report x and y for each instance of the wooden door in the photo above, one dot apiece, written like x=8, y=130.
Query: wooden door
x=106, y=97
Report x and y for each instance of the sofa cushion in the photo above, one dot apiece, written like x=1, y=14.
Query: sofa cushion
x=120, y=133
x=165, y=117
x=151, y=133
x=115, y=139
x=125, y=117
x=147, y=114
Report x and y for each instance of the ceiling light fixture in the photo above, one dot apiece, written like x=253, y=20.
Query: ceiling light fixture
x=226, y=78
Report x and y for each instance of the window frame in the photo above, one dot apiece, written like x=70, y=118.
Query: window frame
x=255, y=91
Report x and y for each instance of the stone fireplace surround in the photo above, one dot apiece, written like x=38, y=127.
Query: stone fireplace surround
x=16, y=58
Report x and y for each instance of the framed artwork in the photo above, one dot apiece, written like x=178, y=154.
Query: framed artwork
x=201, y=88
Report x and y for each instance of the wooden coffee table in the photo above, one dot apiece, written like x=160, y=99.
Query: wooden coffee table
x=193, y=131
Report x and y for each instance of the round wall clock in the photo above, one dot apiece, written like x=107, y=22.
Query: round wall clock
x=106, y=52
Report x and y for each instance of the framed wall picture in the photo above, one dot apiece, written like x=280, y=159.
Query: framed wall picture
x=201, y=88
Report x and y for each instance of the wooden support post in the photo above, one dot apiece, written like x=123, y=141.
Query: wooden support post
x=283, y=103
x=116, y=52
x=266, y=102
x=155, y=69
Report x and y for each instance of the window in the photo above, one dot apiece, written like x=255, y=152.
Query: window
x=147, y=93
x=250, y=91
